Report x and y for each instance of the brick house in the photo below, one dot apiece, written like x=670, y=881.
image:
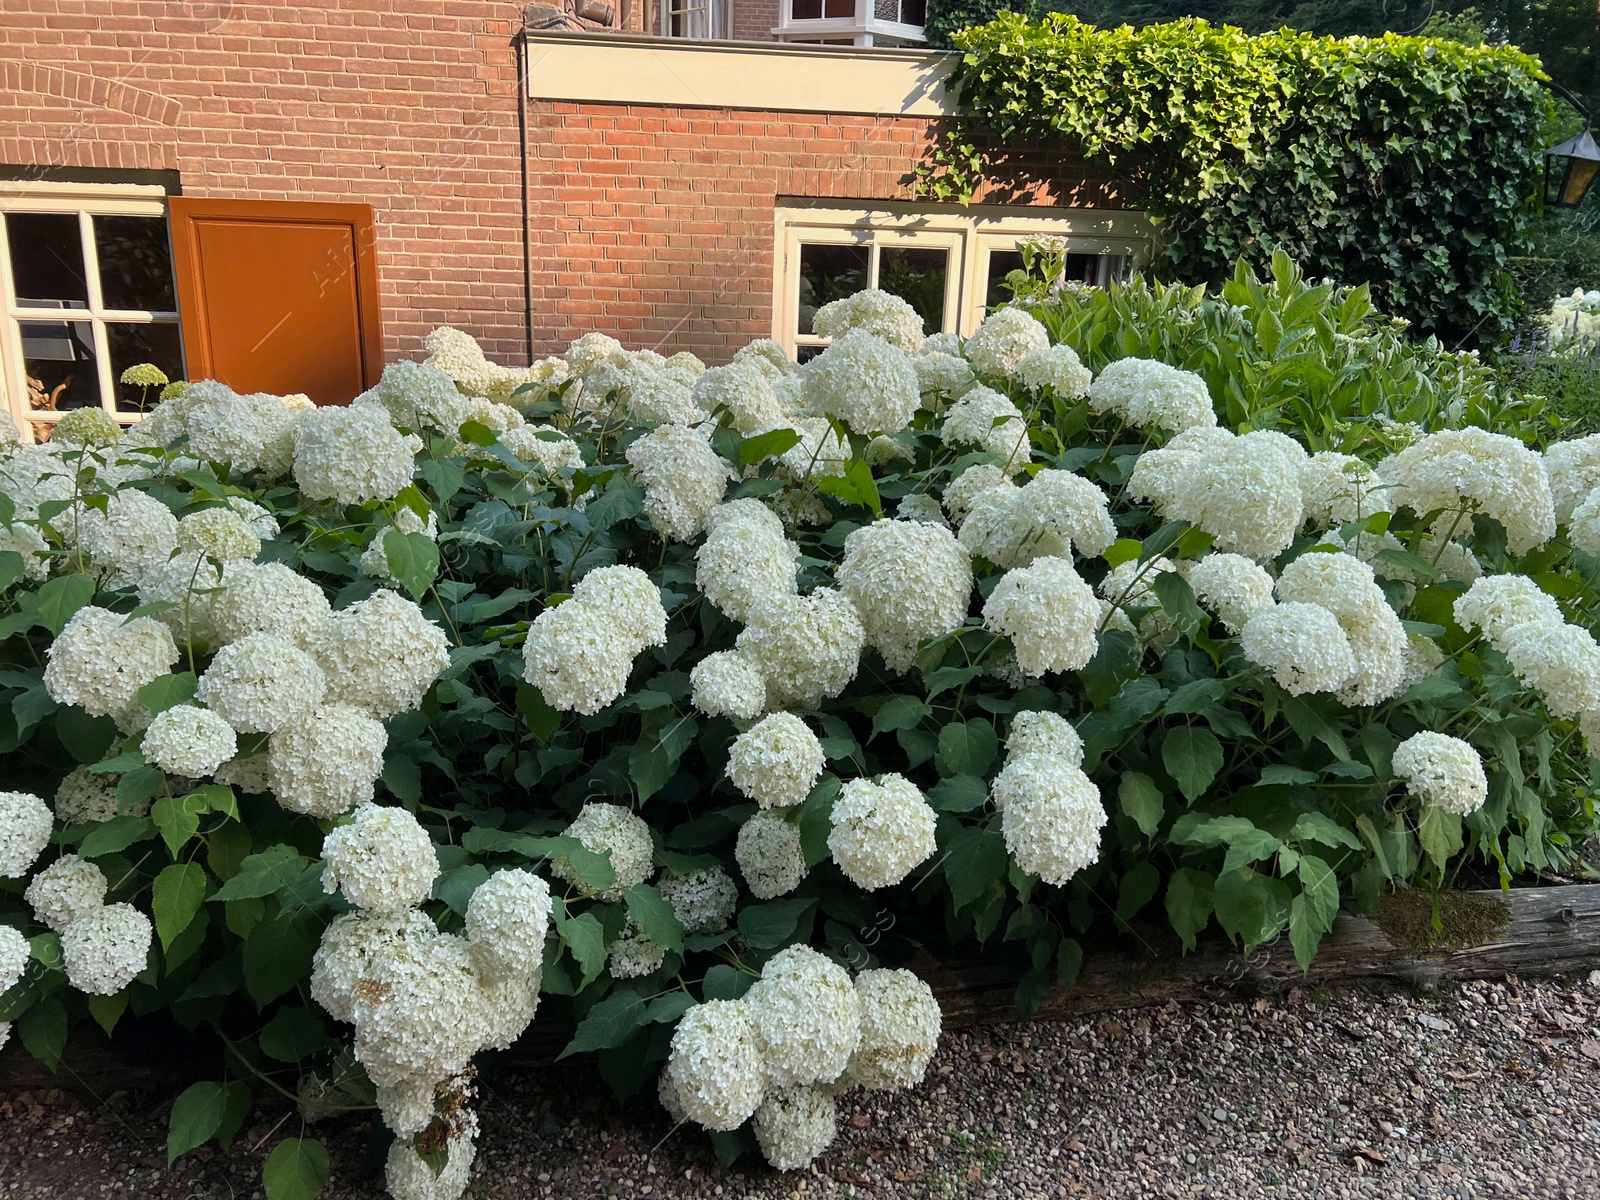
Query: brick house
x=285, y=197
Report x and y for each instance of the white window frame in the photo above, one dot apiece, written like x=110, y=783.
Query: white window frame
x=863, y=28
x=86, y=201
x=718, y=19
x=972, y=234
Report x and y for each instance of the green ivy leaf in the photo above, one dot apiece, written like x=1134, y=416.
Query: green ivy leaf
x=723, y=982
x=966, y=748
x=609, y=1023
x=168, y=692
x=43, y=1029
x=178, y=819
x=1251, y=907
x=119, y=833
x=296, y=1169
x=59, y=598
x=264, y=873
x=767, y=445
x=586, y=942
x=1190, y=899
x=772, y=924
x=974, y=858
x=1440, y=834
x=294, y=1034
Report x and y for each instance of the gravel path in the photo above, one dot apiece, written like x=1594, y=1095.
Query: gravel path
x=1485, y=1090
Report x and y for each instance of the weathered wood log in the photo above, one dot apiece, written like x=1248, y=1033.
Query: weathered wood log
x=1528, y=932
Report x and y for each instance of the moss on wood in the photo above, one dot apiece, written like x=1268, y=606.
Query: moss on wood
x=1466, y=919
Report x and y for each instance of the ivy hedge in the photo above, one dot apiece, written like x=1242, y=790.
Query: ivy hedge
x=1409, y=164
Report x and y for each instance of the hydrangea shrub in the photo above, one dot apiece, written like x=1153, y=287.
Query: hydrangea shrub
x=640, y=697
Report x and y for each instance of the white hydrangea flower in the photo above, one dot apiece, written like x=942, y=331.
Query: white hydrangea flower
x=407, y=1106
x=609, y=828
x=1584, y=532
x=807, y=647
x=499, y=419
x=188, y=586
x=261, y=684
x=1589, y=726
x=1246, y=494
x=421, y=1014
x=1231, y=587
x=900, y=1026
x=633, y=954
x=866, y=382
x=1158, y=474
x=352, y=943
x=252, y=776
x=1052, y=815
x=409, y=1177
x=1573, y=468
x=702, y=898
x=1494, y=474
x=715, y=1065
x=1301, y=645
x=766, y=356
x=533, y=444
x=881, y=831
x=745, y=392
x=776, y=761
x=506, y=922
x=806, y=1015
x=103, y=950
x=1004, y=340
x=69, y=888
x=683, y=480
x=1035, y=732
x=36, y=475
x=818, y=453
x=189, y=741
x=990, y=421
x=1057, y=368
x=941, y=375
x=381, y=654
x=1013, y=527
x=1345, y=586
x=1422, y=659
x=1339, y=488
x=326, y=763
x=382, y=860
x=1146, y=393
x=85, y=796
x=1559, y=660
x=1497, y=604
x=589, y=350
x=270, y=598
x=352, y=455
x=964, y=490
x=662, y=398
x=880, y=313
x=580, y=653
x=770, y=855
x=14, y=955
x=745, y=557
x=728, y=684
x=260, y=521
x=417, y=396
x=101, y=659
x=794, y=1125
x=253, y=433
x=923, y=507
x=1129, y=585
x=218, y=533
x=909, y=582
x=1048, y=612
x=24, y=832
x=134, y=534
x=1442, y=771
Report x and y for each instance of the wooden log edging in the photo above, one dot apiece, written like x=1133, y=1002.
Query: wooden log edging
x=1530, y=932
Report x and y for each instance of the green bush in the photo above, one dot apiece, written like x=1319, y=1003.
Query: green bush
x=1408, y=164
x=545, y=625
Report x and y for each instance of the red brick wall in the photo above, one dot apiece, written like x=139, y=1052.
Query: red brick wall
x=409, y=105
x=652, y=224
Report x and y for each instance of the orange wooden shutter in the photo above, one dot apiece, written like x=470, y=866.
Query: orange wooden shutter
x=278, y=296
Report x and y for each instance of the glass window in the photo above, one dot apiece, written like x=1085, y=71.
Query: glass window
x=102, y=262
x=919, y=277
x=827, y=273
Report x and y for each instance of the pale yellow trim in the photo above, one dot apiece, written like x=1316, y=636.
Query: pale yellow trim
x=776, y=77
x=971, y=234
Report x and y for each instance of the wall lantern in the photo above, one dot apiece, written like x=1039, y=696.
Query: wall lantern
x=1570, y=170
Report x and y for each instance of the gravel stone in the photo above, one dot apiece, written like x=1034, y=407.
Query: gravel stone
x=1335, y=1096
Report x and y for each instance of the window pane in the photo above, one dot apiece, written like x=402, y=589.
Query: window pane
x=133, y=344
x=829, y=273
x=47, y=260
x=807, y=10
x=58, y=360
x=804, y=354
x=135, y=263
x=918, y=277
x=1001, y=264
x=839, y=8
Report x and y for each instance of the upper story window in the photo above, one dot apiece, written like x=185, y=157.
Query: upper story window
x=86, y=291
x=852, y=22
x=949, y=265
x=695, y=19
